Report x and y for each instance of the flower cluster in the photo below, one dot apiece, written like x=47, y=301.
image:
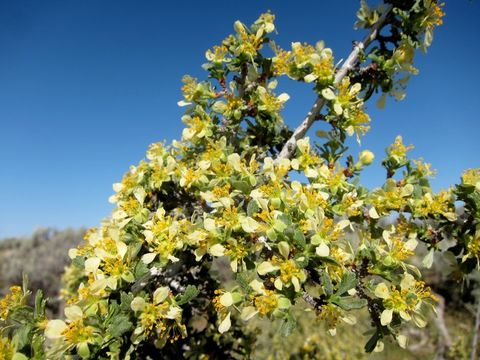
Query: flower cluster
x=291, y=231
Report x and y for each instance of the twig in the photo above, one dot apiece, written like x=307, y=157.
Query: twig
x=309, y=299
x=289, y=148
x=475, y=332
x=421, y=344
x=145, y=280
x=446, y=343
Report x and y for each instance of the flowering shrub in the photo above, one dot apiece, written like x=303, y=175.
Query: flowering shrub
x=147, y=280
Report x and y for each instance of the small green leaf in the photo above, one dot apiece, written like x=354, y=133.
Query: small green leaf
x=23, y=336
x=243, y=186
x=252, y=208
x=243, y=280
x=288, y=326
x=141, y=269
x=299, y=239
x=279, y=226
x=190, y=292
x=327, y=284
x=19, y=356
x=349, y=281
x=284, y=249
x=372, y=342
x=125, y=301
x=40, y=304
x=350, y=303
x=79, y=262
x=271, y=234
x=119, y=326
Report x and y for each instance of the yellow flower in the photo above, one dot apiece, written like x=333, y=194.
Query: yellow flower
x=269, y=102
x=322, y=66
x=472, y=177
x=15, y=298
x=332, y=316
x=197, y=128
x=160, y=316
x=473, y=245
x=267, y=303
x=434, y=14
x=441, y=203
x=405, y=301
x=7, y=349
x=281, y=61
x=248, y=43
x=74, y=332
x=217, y=54
x=189, y=87
x=398, y=151
x=302, y=53
x=289, y=272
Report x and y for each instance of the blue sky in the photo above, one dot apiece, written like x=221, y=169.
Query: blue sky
x=86, y=85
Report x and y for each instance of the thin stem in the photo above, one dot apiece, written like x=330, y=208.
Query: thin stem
x=289, y=148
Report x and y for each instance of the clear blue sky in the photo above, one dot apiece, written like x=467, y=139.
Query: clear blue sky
x=86, y=85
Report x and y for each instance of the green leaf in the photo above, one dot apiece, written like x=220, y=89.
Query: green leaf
x=330, y=260
x=250, y=263
x=350, y=302
x=37, y=346
x=271, y=234
x=141, y=269
x=327, y=283
x=302, y=261
x=119, y=326
x=279, y=226
x=299, y=239
x=25, y=283
x=190, y=292
x=372, y=342
x=23, y=336
x=242, y=280
x=40, y=303
x=22, y=314
x=252, y=208
x=79, y=262
x=19, y=356
x=125, y=301
x=288, y=326
x=243, y=186
x=349, y=281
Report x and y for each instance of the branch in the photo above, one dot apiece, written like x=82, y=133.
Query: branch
x=309, y=299
x=446, y=340
x=145, y=280
x=289, y=148
x=475, y=332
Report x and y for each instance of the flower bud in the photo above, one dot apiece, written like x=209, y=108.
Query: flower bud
x=239, y=28
x=366, y=157
x=276, y=202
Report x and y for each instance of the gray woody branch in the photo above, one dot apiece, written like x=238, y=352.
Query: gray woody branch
x=288, y=149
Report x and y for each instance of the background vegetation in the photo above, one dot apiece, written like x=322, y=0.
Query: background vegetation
x=42, y=257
